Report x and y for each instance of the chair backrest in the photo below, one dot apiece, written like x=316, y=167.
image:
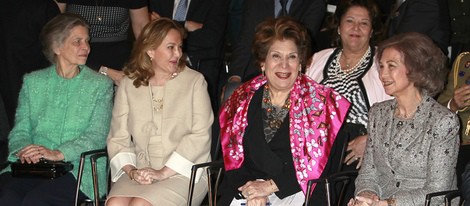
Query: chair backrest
x=449, y=196
x=93, y=155
x=343, y=178
x=214, y=175
x=215, y=168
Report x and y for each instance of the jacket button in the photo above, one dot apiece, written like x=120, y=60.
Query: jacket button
x=140, y=156
x=398, y=184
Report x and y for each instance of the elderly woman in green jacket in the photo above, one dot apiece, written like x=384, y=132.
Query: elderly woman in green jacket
x=63, y=110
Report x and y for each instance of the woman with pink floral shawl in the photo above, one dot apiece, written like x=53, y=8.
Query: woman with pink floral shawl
x=277, y=130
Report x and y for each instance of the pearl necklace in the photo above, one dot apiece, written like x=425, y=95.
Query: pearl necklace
x=349, y=70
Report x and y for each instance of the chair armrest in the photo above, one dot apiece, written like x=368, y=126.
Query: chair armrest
x=81, y=165
x=209, y=165
x=343, y=176
x=452, y=195
x=448, y=196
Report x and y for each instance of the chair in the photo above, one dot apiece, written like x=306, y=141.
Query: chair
x=449, y=195
x=212, y=168
x=93, y=155
x=343, y=178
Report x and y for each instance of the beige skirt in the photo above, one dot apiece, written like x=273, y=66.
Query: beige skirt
x=172, y=191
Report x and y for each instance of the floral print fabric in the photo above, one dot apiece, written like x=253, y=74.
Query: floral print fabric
x=315, y=116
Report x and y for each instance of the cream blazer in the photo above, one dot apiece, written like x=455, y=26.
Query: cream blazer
x=186, y=125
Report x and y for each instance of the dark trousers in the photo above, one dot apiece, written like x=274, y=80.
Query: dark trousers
x=38, y=191
x=465, y=189
x=462, y=160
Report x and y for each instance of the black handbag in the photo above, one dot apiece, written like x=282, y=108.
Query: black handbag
x=43, y=169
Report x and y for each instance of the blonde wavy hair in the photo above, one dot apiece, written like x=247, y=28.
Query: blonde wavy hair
x=139, y=67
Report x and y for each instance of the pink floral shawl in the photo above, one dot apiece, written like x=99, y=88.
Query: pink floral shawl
x=316, y=114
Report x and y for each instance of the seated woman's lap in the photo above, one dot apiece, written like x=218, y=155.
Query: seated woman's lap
x=172, y=191
x=38, y=191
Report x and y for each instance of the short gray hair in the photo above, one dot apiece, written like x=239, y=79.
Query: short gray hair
x=55, y=32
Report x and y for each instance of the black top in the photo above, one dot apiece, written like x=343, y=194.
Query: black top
x=273, y=160
x=263, y=160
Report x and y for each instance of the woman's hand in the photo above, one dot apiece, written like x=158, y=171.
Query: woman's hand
x=259, y=201
x=34, y=153
x=192, y=26
x=154, y=16
x=365, y=198
x=142, y=176
x=256, y=190
x=356, y=148
x=460, y=99
x=115, y=75
x=364, y=201
x=149, y=175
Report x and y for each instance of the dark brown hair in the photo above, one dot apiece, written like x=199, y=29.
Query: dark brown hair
x=374, y=15
x=425, y=62
x=139, y=67
x=282, y=28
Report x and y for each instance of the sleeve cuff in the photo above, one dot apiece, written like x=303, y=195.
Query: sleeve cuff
x=119, y=161
x=448, y=107
x=182, y=166
x=366, y=190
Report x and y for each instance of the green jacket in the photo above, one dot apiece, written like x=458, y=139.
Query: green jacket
x=69, y=115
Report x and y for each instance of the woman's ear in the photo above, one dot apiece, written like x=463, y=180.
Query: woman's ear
x=150, y=53
x=56, y=49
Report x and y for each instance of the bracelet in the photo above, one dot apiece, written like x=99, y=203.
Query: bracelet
x=272, y=186
x=391, y=202
x=103, y=70
x=129, y=173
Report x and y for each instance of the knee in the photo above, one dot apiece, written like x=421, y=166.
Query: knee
x=116, y=201
x=33, y=199
x=139, y=202
x=127, y=201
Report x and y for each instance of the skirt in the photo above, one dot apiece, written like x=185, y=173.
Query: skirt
x=172, y=191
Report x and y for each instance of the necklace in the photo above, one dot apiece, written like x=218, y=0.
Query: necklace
x=157, y=100
x=274, y=116
x=99, y=17
x=348, y=68
x=405, y=116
